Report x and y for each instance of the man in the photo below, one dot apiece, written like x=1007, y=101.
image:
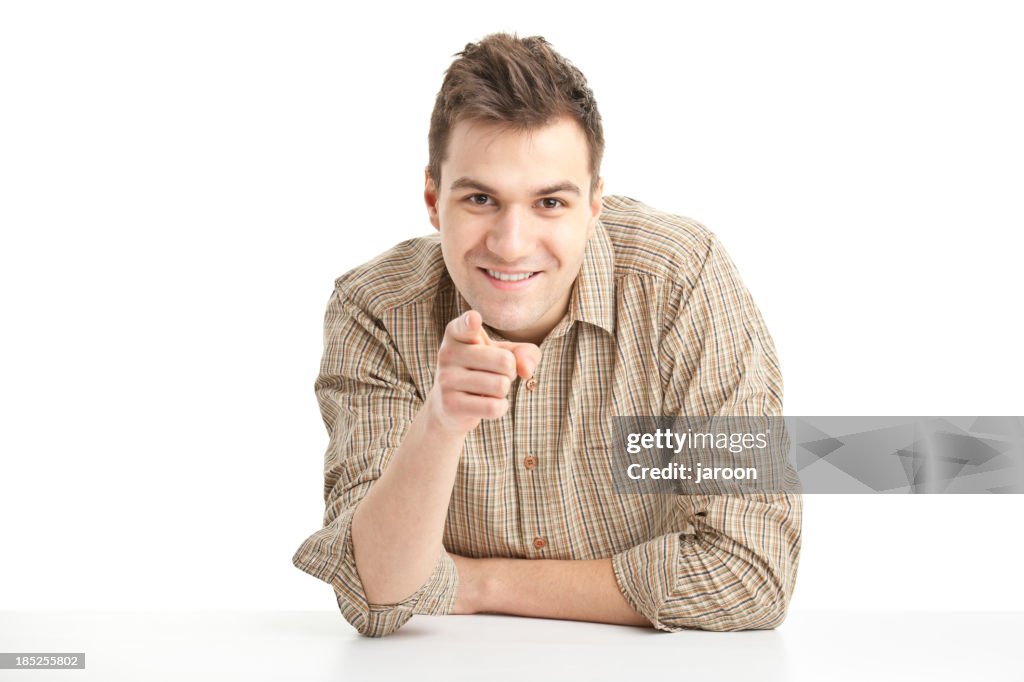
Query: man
x=469, y=379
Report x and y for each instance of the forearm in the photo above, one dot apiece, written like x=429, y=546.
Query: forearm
x=397, y=528
x=544, y=588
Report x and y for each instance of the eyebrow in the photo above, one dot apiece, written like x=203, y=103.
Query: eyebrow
x=470, y=183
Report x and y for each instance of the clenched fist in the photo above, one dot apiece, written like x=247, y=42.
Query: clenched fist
x=474, y=374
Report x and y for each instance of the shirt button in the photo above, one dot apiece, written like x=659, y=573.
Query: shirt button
x=540, y=543
x=531, y=384
x=530, y=461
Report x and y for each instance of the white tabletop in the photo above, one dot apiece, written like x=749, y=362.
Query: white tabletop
x=321, y=646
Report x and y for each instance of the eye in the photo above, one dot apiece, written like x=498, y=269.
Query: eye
x=551, y=203
x=478, y=199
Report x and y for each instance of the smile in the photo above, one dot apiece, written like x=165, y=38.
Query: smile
x=509, y=276
x=509, y=281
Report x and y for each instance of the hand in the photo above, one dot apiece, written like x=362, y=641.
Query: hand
x=474, y=374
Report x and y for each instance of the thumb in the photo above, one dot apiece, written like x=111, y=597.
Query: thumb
x=527, y=356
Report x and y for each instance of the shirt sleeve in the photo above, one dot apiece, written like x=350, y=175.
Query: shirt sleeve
x=367, y=403
x=730, y=562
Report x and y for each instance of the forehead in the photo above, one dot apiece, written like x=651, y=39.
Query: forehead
x=507, y=156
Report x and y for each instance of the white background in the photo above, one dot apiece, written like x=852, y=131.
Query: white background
x=181, y=182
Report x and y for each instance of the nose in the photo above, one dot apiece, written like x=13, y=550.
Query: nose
x=510, y=236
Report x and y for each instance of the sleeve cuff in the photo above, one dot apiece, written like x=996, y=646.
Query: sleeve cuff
x=680, y=583
x=328, y=555
x=643, y=573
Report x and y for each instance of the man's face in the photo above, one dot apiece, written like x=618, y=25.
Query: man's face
x=515, y=215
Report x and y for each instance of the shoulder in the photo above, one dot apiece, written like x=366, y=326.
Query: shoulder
x=646, y=241
x=407, y=273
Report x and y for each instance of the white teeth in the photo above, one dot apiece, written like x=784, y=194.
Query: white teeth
x=509, y=278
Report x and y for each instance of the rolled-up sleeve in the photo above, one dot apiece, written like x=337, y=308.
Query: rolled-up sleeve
x=367, y=403
x=728, y=562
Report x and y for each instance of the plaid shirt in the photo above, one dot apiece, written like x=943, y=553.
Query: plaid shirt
x=659, y=323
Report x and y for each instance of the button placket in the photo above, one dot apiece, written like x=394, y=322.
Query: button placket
x=529, y=460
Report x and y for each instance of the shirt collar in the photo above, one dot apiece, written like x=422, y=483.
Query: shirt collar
x=593, y=293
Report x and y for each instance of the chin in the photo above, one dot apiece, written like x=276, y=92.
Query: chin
x=503, y=321
x=506, y=321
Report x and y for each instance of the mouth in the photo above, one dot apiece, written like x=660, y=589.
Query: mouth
x=509, y=276
x=509, y=280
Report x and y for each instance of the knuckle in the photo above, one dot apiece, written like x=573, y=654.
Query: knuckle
x=500, y=407
x=444, y=380
x=445, y=354
x=449, y=401
x=493, y=408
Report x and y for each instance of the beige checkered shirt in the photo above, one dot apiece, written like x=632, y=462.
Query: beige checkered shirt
x=659, y=323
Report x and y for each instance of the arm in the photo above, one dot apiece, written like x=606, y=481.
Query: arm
x=702, y=581
x=732, y=562
x=368, y=405
x=397, y=527
x=543, y=588
x=389, y=469
x=736, y=571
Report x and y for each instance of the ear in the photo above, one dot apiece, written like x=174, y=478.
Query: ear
x=595, y=207
x=430, y=197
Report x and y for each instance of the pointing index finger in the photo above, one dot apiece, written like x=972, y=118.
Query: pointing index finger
x=469, y=329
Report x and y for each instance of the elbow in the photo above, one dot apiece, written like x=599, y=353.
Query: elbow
x=764, y=609
x=381, y=627
x=373, y=621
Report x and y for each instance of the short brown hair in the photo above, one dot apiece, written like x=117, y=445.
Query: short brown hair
x=521, y=82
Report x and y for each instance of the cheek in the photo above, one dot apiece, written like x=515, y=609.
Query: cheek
x=456, y=239
x=567, y=251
